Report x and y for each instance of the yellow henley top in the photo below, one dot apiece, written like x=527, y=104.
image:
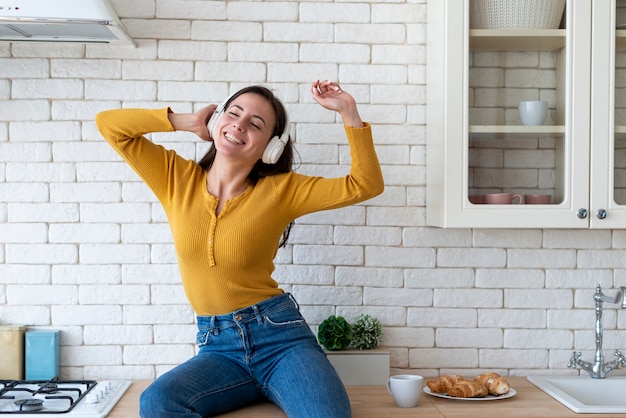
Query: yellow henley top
x=226, y=260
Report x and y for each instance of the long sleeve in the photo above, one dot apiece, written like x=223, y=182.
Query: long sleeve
x=302, y=194
x=124, y=130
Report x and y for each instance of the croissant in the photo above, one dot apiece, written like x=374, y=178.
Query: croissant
x=443, y=383
x=468, y=389
x=487, y=378
x=496, y=384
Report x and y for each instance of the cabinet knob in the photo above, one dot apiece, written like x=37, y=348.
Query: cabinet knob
x=601, y=213
x=582, y=213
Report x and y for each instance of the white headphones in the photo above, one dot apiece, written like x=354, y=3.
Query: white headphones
x=274, y=148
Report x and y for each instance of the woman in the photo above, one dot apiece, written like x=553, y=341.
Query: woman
x=228, y=215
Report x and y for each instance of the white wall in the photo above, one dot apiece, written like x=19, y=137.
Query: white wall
x=85, y=248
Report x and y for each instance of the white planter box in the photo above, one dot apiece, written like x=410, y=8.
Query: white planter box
x=361, y=367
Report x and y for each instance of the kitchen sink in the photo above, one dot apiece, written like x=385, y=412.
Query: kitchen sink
x=585, y=395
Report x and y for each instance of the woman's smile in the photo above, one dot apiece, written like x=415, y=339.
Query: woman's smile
x=234, y=139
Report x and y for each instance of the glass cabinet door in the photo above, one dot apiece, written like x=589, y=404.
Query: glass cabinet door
x=608, y=129
x=500, y=170
x=619, y=89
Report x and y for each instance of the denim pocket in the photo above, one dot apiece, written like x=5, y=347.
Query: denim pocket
x=202, y=338
x=285, y=318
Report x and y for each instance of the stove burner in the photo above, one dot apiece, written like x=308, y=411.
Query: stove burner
x=39, y=398
x=48, y=387
x=28, y=405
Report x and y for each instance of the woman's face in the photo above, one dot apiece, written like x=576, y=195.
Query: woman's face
x=245, y=127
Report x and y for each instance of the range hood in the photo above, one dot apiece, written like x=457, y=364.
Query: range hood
x=81, y=21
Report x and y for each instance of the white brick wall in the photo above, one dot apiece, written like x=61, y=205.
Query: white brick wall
x=85, y=247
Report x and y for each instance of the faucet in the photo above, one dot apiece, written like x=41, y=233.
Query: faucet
x=599, y=369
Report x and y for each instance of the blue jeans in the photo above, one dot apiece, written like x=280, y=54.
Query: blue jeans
x=265, y=351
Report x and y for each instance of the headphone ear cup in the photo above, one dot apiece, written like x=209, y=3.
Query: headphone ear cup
x=277, y=144
x=215, y=117
x=273, y=150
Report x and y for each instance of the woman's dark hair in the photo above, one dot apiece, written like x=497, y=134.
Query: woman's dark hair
x=261, y=169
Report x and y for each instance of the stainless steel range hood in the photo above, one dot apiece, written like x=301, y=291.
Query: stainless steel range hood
x=81, y=21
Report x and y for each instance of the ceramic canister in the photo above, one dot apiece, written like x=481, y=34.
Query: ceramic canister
x=11, y=352
x=43, y=355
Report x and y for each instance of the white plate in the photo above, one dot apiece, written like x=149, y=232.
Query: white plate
x=512, y=392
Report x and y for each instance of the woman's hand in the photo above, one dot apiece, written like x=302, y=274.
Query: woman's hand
x=330, y=96
x=194, y=122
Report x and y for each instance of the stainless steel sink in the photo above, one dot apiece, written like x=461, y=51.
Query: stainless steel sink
x=583, y=394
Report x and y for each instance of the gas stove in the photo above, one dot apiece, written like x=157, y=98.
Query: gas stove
x=72, y=398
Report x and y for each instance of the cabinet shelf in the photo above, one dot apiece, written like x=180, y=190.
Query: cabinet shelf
x=517, y=131
x=517, y=39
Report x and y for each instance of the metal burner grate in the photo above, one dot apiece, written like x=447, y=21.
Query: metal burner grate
x=42, y=397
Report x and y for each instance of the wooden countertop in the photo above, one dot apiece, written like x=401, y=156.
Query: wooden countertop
x=375, y=402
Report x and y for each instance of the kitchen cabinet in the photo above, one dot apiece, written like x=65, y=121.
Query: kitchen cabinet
x=476, y=143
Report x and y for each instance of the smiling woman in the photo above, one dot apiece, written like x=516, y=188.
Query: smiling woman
x=228, y=215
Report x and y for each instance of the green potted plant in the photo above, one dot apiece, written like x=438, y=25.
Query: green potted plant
x=367, y=332
x=335, y=333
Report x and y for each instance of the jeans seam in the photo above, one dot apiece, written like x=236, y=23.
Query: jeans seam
x=196, y=398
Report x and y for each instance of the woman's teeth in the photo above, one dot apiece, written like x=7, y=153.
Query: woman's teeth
x=233, y=139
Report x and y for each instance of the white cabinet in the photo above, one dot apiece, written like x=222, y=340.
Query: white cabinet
x=477, y=145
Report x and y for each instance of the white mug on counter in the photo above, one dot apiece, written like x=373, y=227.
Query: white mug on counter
x=406, y=389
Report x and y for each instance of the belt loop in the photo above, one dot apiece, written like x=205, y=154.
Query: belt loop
x=257, y=314
x=294, y=301
x=214, y=330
